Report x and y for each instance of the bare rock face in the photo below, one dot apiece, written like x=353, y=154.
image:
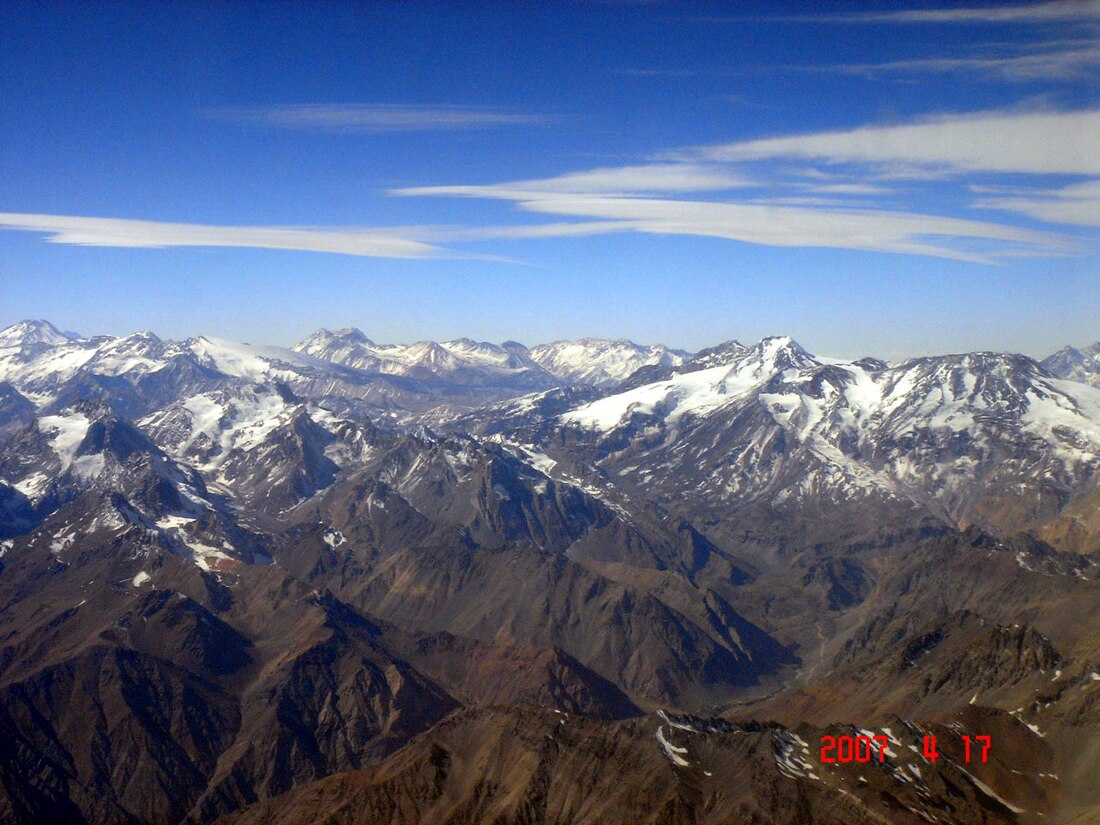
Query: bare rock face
x=526, y=766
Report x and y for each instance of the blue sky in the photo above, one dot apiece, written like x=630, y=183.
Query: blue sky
x=871, y=178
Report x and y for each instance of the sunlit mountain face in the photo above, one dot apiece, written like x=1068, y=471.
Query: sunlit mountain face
x=543, y=414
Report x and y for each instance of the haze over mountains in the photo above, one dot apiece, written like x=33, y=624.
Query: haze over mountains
x=464, y=582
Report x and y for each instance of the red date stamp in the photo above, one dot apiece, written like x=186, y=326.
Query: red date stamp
x=845, y=749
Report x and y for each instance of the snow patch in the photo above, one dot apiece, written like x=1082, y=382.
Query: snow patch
x=33, y=485
x=66, y=431
x=988, y=791
x=792, y=756
x=671, y=751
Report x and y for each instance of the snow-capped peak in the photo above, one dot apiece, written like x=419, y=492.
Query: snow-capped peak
x=777, y=353
x=326, y=339
x=26, y=333
x=700, y=390
x=250, y=361
x=602, y=361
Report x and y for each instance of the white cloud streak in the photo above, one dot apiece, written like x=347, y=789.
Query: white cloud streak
x=781, y=225
x=1077, y=204
x=1054, y=11
x=568, y=229
x=350, y=118
x=648, y=178
x=116, y=232
x=793, y=226
x=1065, y=64
x=1034, y=143
x=848, y=189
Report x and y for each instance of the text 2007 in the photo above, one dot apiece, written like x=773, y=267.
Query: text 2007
x=852, y=748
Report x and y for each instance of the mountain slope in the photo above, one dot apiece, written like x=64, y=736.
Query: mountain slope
x=1076, y=364
x=528, y=766
x=978, y=438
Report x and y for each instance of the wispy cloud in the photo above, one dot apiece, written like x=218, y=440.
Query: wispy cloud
x=805, y=190
x=1062, y=64
x=848, y=189
x=117, y=232
x=662, y=72
x=792, y=226
x=820, y=189
x=1077, y=204
x=1067, y=60
x=567, y=229
x=779, y=224
x=1048, y=12
x=1033, y=143
x=376, y=117
x=647, y=178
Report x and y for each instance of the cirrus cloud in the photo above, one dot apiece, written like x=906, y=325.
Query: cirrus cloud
x=1052, y=11
x=1066, y=143
x=777, y=205
x=120, y=232
x=353, y=118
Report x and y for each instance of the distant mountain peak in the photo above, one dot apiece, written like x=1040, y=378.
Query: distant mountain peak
x=780, y=351
x=1076, y=364
x=777, y=343
x=30, y=332
x=352, y=334
x=602, y=361
x=328, y=337
x=717, y=355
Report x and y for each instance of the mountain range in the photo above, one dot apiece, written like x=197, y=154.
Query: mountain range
x=584, y=581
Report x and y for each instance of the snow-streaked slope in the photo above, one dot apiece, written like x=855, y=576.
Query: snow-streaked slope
x=204, y=428
x=65, y=433
x=89, y=477
x=983, y=436
x=207, y=429
x=166, y=369
x=692, y=392
x=136, y=354
x=812, y=396
x=250, y=361
x=35, y=360
x=600, y=361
